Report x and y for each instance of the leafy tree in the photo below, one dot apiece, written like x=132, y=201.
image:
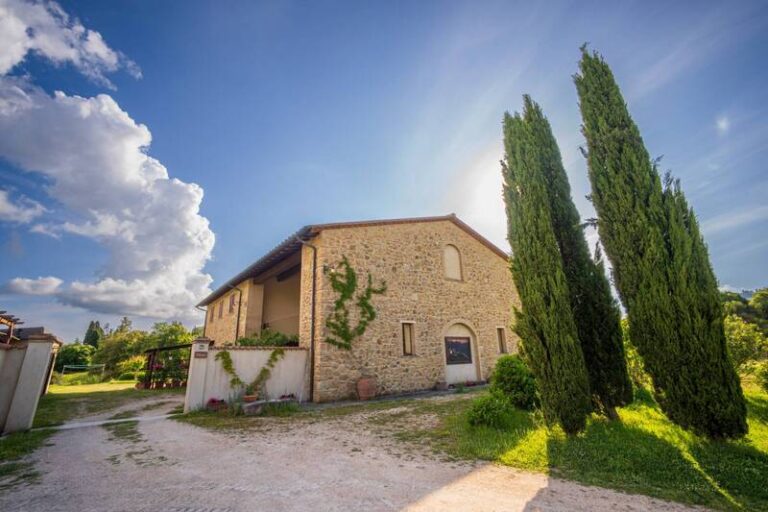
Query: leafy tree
x=119, y=346
x=545, y=324
x=74, y=354
x=595, y=310
x=660, y=263
x=751, y=311
x=745, y=341
x=94, y=334
x=759, y=303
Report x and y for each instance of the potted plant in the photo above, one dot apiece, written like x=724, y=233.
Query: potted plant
x=366, y=388
x=251, y=394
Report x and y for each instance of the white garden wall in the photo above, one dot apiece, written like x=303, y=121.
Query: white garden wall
x=207, y=378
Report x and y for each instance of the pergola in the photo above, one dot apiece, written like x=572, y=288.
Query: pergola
x=10, y=321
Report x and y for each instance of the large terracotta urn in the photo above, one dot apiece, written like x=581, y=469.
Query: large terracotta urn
x=366, y=388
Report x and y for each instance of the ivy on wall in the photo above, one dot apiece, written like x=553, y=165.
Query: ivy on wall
x=266, y=371
x=343, y=280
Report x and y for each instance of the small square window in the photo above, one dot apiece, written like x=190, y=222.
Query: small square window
x=501, y=336
x=407, y=338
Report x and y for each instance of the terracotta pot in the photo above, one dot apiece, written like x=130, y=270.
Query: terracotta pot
x=366, y=388
x=250, y=398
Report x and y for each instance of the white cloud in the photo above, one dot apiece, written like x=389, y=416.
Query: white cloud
x=40, y=286
x=731, y=220
x=106, y=187
x=95, y=157
x=45, y=29
x=23, y=211
x=723, y=125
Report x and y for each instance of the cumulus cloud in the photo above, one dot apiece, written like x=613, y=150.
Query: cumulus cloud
x=23, y=210
x=106, y=187
x=40, y=286
x=95, y=157
x=45, y=29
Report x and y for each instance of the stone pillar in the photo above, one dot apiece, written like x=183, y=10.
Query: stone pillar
x=32, y=380
x=198, y=368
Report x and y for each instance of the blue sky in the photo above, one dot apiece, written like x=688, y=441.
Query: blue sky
x=289, y=113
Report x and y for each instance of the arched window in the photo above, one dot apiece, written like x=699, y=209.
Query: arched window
x=452, y=262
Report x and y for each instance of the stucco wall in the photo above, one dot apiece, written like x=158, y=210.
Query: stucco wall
x=281, y=304
x=207, y=378
x=409, y=257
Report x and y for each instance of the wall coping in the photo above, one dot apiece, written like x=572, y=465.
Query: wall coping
x=235, y=347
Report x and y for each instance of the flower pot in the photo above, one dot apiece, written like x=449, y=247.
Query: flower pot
x=366, y=388
x=250, y=398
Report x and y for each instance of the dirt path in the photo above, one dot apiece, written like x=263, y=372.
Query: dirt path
x=316, y=464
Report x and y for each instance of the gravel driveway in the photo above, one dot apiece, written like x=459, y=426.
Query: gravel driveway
x=322, y=464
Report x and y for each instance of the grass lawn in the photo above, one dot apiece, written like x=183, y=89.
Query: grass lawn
x=644, y=453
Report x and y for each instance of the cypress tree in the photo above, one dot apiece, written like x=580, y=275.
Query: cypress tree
x=545, y=324
x=94, y=334
x=595, y=311
x=660, y=264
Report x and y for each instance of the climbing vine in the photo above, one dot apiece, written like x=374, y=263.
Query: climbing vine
x=344, y=282
x=235, y=381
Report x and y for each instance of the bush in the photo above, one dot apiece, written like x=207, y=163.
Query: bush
x=490, y=410
x=762, y=376
x=127, y=376
x=131, y=365
x=513, y=379
x=745, y=341
x=270, y=338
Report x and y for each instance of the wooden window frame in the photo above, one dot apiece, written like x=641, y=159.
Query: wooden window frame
x=501, y=338
x=460, y=279
x=221, y=309
x=412, y=327
x=231, y=303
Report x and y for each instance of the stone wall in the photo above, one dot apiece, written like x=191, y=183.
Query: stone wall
x=222, y=330
x=409, y=257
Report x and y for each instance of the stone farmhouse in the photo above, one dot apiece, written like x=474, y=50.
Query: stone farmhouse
x=444, y=319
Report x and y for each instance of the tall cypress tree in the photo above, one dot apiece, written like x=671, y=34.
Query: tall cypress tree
x=545, y=324
x=594, y=309
x=94, y=334
x=660, y=264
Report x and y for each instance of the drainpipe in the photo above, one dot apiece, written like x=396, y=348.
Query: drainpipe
x=312, y=320
x=239, y=303
x=205, y=323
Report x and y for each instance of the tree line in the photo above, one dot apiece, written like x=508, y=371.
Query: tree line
x=121, y=350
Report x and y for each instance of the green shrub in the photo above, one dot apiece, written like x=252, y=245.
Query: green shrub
x=127, y=376
x=513, y=379
x=490, y=410
x=762, y=376
x=131, y=365
x=270, y=338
